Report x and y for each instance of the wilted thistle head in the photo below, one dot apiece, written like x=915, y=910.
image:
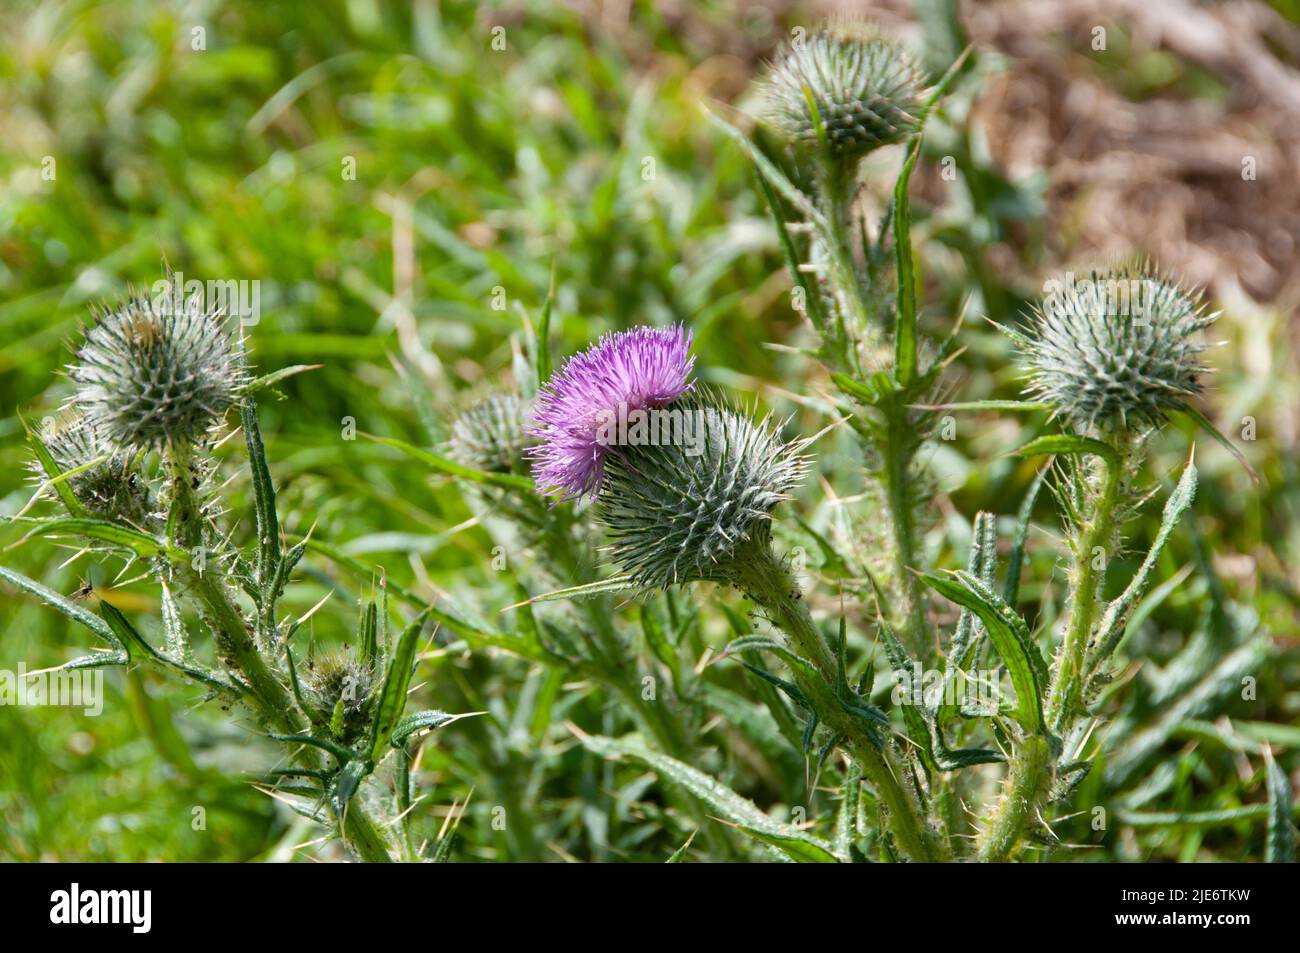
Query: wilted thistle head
x=1115, y=350
x=490, y=434
x=863, y=89
x=152, y=373
x=686, y=511
x=113, y=487
x=342, y=686
x=633, y=370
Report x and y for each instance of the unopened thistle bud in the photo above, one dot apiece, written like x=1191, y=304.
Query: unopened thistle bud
x=112, y=487
x=342, y=686
x=152, y=375
x=844, y=92
x=690, y=510
x=1115, y=350
x=490, y=434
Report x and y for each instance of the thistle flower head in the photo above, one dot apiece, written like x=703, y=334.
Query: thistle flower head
x=631, y=370
x=342, y=686
x=1116, y=349
x=152, y=374
x=845, y=89
x=112, y=487
x=490, y=434
x=684, y=511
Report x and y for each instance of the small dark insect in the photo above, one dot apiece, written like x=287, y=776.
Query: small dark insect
x=83, y=590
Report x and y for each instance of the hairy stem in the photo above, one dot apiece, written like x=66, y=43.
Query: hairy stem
x=1026, y=784
x=1098, y=528
x=896, y=454
x=236, y=644
x=1030, y=772
x=771, y=586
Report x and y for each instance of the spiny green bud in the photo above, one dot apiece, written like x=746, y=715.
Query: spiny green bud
x=687, y=509
x=846, y=90
x=157, y=373
x=342, y=687
x=1115, y=349
x=113, y=487
x=490, y=434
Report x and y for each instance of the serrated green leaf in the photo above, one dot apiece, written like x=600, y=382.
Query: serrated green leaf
x=613, y=584
x=730, y=806
x=63, y=605
x=1070, y=444
x=1009, y=635
x=141, y=544
x=268, y=525
x=508, y=481
x=392, y=698
x=905, y=300
x=421, y=721
x=57, y=478
x=1281, y=831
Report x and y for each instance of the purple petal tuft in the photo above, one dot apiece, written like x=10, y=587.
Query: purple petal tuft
x=642, y=368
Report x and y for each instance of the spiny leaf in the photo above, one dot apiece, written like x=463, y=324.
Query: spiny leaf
x=141, y=544
x=59, y=602
x=58, y=479
x=1069, y=444
x=507, y=481
x=1009, y=635
x=1281, y=830
x=423, y=721
x=1110, y=629
x=268, y=526
x=392, y=698
x=732, y=808
x=905, y=307
x=621, y=583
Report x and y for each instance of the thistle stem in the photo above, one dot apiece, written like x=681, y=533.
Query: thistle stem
x=1030, y=771
x=361, y=834
x=236, y=644
x=771, y=586
x=1027, y=781
x=1097, y=532
x=897, y=457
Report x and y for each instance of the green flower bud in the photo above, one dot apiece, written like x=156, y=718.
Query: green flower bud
x=112, y=488
x=1115, y=350
x=687, y=511
x=489, y=435
x=862, y=89
x=155, y=374
x=342, y=687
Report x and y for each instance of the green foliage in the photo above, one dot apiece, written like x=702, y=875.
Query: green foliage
x=705, y=733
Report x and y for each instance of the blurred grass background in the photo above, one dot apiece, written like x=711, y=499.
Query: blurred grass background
x=221, y=136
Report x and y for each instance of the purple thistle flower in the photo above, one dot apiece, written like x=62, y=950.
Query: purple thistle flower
x=641, y=368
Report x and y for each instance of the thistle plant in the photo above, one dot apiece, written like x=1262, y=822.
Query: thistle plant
x=489, y=434
x=840, y=94
x=153, y=382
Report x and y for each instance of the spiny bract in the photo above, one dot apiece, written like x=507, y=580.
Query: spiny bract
x=676, y=516
x=157, y=373
x=1115, y=349
x=490, y=434
x=863, y=89
x=113, y=487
